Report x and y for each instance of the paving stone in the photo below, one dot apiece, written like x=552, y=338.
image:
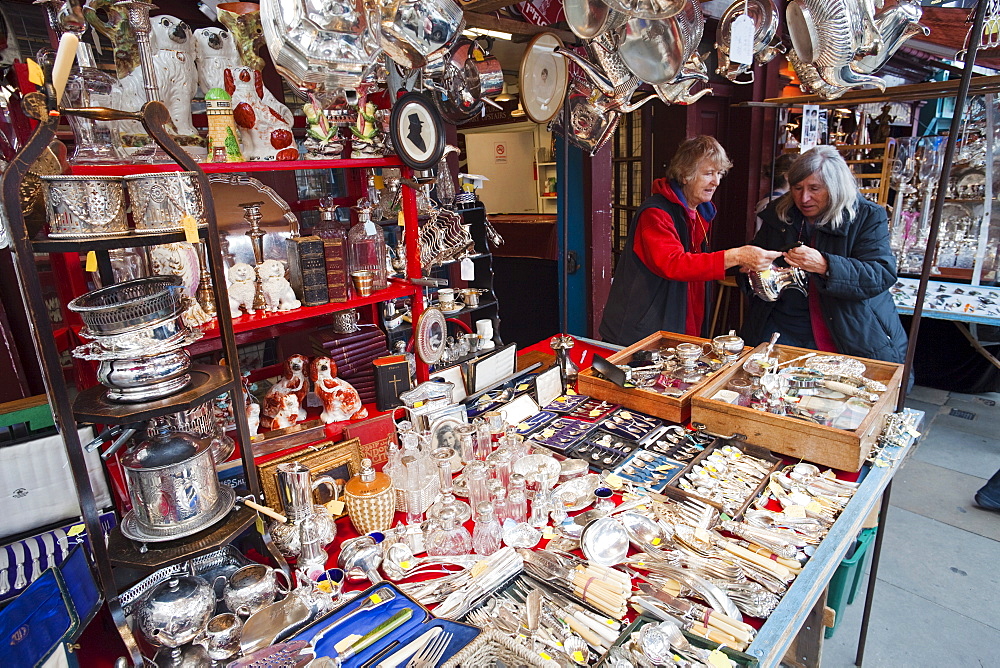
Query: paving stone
x=928, y=395
x=969, y=453
x=944, y=495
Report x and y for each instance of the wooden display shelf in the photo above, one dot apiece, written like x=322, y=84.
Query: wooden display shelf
x=841, y=449
x=123, y=551
x=207, y=381
x=675, y=409
x=229, y=167
x=47, y=245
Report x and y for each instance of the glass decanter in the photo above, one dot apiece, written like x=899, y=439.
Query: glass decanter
x=366, y=249
x=95, y=142
x=449, y=538
x=487, y=535
x=446, y=500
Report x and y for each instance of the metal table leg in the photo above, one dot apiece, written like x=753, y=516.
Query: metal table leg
x=873, y=575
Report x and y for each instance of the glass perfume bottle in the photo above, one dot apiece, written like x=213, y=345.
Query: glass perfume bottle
x=475, y=479
x=500, y=506
x=484, y=439
x=487, y=534
x=517, y=504
x=366, y=249
x=540, y=507
x=467, y=442
x=449, y=538
x=371, y=500
x=96, y=142
x=447, y=500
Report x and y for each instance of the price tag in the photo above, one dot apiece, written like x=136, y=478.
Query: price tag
x=91, y=261
x=655, y=541
x=795, y=512
x=75, y=530
x=378, y=182
x=614, y=481
x=579, y=657
x=336, y=507
x=405, y=565
x=548, y=534
x=468, y=269
x=545, y=656
x=259, y=525
x=719, y=660
x=375, y=598
x=35, y=73
x=814, y=507
x=370, y=228
x=401, y=219
x=741, y=34
x=190, y=226
x=325, y=586
x=701, y=534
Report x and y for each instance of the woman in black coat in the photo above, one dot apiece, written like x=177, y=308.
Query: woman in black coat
x=826, y=228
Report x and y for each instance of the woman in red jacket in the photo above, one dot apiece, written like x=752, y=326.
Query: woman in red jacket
x=659, y=283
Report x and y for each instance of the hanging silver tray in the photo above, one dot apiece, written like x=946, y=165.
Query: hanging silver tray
x=131, y=528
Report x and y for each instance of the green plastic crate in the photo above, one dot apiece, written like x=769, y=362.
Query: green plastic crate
x=846, y=581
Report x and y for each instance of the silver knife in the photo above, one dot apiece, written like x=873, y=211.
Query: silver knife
x=20, y=582
x=63, y=544
x=410, y=649
x=50, y=549
x=4, y=576
x=36, y=552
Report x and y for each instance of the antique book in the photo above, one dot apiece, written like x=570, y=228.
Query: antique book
x=335, y=253
x=392, y=377
x=307, y=270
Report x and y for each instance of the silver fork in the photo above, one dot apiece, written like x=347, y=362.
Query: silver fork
x=431, y=654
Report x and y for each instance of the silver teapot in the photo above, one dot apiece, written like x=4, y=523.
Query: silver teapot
x=770, y=283
x=766, y=39
x=176, y=611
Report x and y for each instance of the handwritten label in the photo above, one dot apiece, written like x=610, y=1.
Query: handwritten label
x=336, y=507
x=741, y=34
x=91, y=261
x=190, y=226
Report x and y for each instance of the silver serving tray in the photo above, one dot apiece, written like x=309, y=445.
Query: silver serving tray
x=132, y=529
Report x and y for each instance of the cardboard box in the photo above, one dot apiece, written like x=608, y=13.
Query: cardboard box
x=836, y=448
x=675, y=409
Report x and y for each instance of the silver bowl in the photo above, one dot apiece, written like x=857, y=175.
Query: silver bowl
x=85, y=207
x=160, y=202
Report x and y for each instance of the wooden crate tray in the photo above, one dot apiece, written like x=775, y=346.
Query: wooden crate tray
x=674, y=409
x=841, y=449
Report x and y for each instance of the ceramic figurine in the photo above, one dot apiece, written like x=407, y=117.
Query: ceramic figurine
x=173, y=49
x=278, y=293
x=216, y=51
x=132, y=93
x=242, y=287
x=323, y=141
x=265, y=134
x=253, y=418
x=340, y=400
x=294, y=382
x=223, y=135
x=181, y=259
x=286, y=411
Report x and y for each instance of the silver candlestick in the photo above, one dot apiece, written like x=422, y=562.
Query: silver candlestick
x=253, y=216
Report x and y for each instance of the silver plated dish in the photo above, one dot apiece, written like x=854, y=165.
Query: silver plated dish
x=578, y=493
x=129, y=306
x=145, y=378
x=85, y=207
x=132, y=529
x=604, y=541
x=837, y=365
x=160, y=202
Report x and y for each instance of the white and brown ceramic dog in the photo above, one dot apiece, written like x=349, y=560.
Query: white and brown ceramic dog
x=264, y=132
x=216, y=51
x=286, y=412
x=294, y=382
x=340, y=400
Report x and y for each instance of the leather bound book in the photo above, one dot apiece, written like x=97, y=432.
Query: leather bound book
x=347, y=355
x=374, y=435
x=335, y=253
x=392, y=377
x=307, y=270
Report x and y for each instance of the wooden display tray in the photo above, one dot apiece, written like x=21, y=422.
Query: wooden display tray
x=837, y=448
x=674, y=409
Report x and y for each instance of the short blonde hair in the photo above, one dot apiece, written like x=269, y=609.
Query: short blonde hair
x=692, y=152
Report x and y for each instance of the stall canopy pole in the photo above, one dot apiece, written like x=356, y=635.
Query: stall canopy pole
x=949, y=154
x=564, y=215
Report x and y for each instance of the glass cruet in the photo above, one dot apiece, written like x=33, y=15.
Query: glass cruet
x=95, y=142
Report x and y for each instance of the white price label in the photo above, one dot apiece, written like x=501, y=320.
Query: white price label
x=741, y=35
x=370, y=227
x=468, y=270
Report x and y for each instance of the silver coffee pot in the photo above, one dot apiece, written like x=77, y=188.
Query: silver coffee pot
x=295, y=490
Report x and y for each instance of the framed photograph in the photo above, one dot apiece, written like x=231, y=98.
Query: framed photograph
x=340, y=461
x=417, y=131
x=442, y=427
x=431, y=335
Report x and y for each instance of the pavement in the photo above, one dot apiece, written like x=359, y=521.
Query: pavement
x=937, y=598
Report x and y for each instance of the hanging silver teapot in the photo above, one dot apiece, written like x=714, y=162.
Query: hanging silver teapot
x=176, y=611
x=766, y=39
x=895, y=25
x=657, y=51
x=770, y=283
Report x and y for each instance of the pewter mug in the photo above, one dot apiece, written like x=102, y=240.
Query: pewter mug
x=253, y=587
x=176, y=611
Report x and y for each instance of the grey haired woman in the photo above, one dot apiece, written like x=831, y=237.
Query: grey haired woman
x=824, y=226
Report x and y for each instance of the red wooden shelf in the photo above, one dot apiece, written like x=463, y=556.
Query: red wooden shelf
x=261, y=320
x=228, y=167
